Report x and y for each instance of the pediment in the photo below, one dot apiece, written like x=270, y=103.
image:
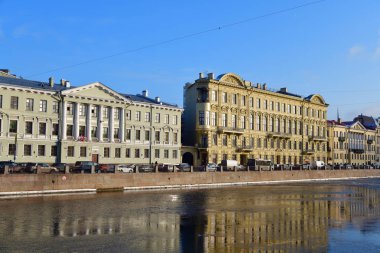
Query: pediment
x=96, y=91
x=232, y=79
x=357, y=126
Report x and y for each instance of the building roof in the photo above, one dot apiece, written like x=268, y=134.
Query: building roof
x=367, y=121
x=143, y=99
x=25, y=83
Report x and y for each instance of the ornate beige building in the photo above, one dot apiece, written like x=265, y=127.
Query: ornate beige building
x=353, y=142
x=50, y=122
x=230, y=118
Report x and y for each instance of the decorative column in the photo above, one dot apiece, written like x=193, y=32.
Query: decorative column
x=121, y=124
x=100, y=121
x=111, y=124
x=64, y=120
x=88, y=122
x=76, y=121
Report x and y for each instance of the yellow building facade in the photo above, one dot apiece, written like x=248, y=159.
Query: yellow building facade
x=230, y=118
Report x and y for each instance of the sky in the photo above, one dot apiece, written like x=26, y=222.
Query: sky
x=330, y=47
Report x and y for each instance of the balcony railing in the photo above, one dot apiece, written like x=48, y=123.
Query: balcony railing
x=279, y=135
x=316, y=138
x=308, y=152
x=230, y=130
x=369, y=141
x=357, y=150
x=341, y=138
x=244, y=148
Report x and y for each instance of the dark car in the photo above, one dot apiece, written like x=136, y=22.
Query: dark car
x=184, y=167
x=18, y=168
x=60, y=166
x=10, y=164
x=105, y=168
x=145, y=168
x=84, y=166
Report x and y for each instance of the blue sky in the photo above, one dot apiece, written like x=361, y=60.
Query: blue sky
x=331, y=48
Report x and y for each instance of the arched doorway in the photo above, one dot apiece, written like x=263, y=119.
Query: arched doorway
x=188, y=158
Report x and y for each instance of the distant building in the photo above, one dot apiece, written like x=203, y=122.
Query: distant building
x=230, y=118
x=49, y=122
x=353, y=142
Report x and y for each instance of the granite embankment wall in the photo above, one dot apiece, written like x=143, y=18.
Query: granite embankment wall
x=54, y=183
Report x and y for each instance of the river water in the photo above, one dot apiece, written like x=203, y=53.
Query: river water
x=319, y=217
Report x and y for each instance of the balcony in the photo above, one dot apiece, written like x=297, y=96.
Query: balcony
x=202, y=145
x=230, y=130
x=356, y=150
x=308, y=151
x=317, y=138
x=279, y=135
x=341, y=138
x=244, y=148
x=369, y=141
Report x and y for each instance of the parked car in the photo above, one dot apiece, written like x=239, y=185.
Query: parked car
x=230, y=164
x=18, y=168
x=305, y=166
x=317, y=165
x=184, y=167
x=60, y=166
x=338, y=166
x=105, y=168
x=211, y=167
x=347, y=166
x=42, y=167
x=164, y=167
x=10, y=164
x=145, y=168
x=329, y=167
x=126, y=168
x=84, y=166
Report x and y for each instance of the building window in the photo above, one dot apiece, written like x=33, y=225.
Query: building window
x=166, y=137
x=116, y=113
x=224, y=140
x=138, y=135
x=147, y=135
x=243, y=100
x=156, y=153
x=201, y=118
x=12, y=149
x=82, y=110
x=29, y=104
x=224, y=97
x=213, y=118
x=127, y=114
x=106, y=112
x=53, y=151
x=55, y=129
x=175, y=138
x=157, y=136
x=69, y=109
x=82, y=130
x=69, y=130
x=117, y=152
x=55, y=107
x=14, y=102
x=128, y=134
x=175, y=120
x=258, y=122
x=106, y=152
x=137, y=153
x=116, y=133
x=138, y=116
x=128, y=153
x=251, y=125
x=207, y=118
x=42, y=128
x=175, y=154
x=83, y=152
x=13, y=126
x=166, y=153
x=94, y=131
x=234, y=99
x=233, y=121
x=41, y=150
x=105, y=132
x=242, y=122
x=27, y=150
x=1, y=101
x=166, y=119
x=28, y=127
x=251, y=102
x=43, y=106
x=94, y=111
x=258, y=101
x=157, y=118
x=146, y=153
x=70, y=151
x=224, y=119
x=147, y=117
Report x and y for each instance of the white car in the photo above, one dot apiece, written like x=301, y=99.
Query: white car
x=126, y=168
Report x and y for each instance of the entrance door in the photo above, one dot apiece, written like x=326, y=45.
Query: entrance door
x=243, y=159
x=95, y=158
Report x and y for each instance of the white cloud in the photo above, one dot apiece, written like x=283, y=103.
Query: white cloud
x=356, y=50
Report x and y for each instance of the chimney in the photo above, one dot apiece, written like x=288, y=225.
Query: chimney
x=258, y=85
x=201, y=75
x=51, y=81
x=68, y=84
x=158, y=99
x=284, y=89
x=264, y=86
x=63, y=82
x=5, y=71
x=145, y=93
x=210, y=75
